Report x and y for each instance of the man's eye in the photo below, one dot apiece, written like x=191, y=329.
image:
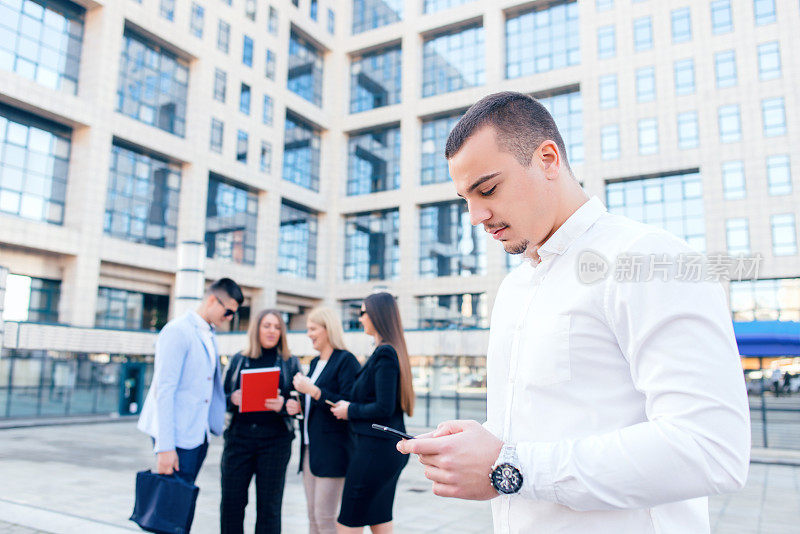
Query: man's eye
x=488, y=191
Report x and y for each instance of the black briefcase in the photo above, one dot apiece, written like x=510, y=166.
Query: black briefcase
x=164, y=503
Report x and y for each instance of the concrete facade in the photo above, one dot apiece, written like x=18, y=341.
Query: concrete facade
x=84, y=258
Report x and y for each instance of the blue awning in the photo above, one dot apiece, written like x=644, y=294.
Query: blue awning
x=768, y=338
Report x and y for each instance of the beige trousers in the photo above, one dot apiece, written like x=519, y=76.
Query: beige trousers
x=323, y=495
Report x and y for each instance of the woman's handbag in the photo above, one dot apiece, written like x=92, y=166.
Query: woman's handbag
x=164, y=503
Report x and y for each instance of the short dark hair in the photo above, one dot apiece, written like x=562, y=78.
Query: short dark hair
x=229, y=287
x=522, y=124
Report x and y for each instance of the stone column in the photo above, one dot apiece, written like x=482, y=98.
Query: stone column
x=190, y=278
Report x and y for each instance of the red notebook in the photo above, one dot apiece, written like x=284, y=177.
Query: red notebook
x=258, y=385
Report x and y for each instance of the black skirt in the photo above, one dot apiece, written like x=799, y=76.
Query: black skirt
x=371, y=481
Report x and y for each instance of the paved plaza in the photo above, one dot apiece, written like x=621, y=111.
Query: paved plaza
x=79, y=479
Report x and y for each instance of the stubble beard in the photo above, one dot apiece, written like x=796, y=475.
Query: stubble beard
x=518, y=248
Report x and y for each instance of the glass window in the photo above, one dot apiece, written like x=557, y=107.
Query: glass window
x=42, y=41
x=646, y=84
x=784, y=234
x=374, y=158
x=29, y=299
x=297, y=251
x=130, y=310
x=267, y=111
x=648, y=136
x=453, y=61
x=449, y=244
x=247, y=51
x=34, y=164
x=674, y=203
x=272, y=21
x=152, y=85
x=331, y=21
x=608, y=92
x=244, y=99
x=467, y=310
x=434, y=137
x=567, y=112
x=372, y=246
x=730, y=124
x=764, y=11
x=542, y=40
x=721, y=16
x=301, y=153
x=609, y=142
x=242, y=142
x=643, y=34
x=217, y=128
x=371, y=14
x=220, y=84
x=774, y=116
x=269, y=70
x=779, y=175
x=725, y=68
x=313, y=9
x=769, y=61
x=223, y=36
x=231, y=220
x=684, y=76
x=375, y=79
x=432, y=6
x=606, y=42
x=196, y=20
x=604, y=5
x=688, y=130
x=265, y=160
x=142, y=202
x=733, y=183
x=167, y=9
x=305, y=69
x=765, y=300
x=681, y=25
x=737, y=236
x=351, y=311
x=250, y=9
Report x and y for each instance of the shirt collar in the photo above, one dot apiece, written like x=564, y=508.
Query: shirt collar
x=574, y=227
x=202, y=323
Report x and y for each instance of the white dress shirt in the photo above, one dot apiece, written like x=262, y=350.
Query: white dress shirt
x=317, y=371
x=626, y=399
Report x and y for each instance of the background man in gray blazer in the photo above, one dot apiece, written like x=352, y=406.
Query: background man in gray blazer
x=186, y=401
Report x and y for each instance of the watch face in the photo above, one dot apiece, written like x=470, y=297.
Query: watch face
x=506, y=478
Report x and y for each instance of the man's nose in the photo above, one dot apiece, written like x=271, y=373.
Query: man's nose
x=477, y=213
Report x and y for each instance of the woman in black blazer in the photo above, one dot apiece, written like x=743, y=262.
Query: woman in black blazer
x=325, y=444
x=257, y=443
x=382, y=392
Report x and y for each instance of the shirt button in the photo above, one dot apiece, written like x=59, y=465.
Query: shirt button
x=206, y=401
x=209, y=378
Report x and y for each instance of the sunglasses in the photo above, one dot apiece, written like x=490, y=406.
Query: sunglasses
x=228, y=312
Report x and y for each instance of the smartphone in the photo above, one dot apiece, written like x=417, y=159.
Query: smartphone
x=392, y=431
x=329, y=402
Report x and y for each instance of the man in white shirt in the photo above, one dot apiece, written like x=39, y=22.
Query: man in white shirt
x=601, y=416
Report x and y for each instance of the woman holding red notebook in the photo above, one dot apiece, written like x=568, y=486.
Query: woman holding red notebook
x=258, y=442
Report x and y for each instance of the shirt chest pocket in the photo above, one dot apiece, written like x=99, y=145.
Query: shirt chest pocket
x=544, y=351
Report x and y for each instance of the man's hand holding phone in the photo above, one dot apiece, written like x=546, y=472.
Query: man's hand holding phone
x=458, y=457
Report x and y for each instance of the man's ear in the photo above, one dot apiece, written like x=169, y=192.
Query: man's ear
x=549, y=158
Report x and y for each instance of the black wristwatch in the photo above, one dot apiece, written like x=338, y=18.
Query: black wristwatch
x=506, y=477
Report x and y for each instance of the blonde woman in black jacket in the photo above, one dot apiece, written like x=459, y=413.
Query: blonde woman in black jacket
x=326, y=443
